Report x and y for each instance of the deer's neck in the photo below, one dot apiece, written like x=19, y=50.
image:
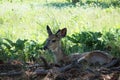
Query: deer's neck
x=58, y=54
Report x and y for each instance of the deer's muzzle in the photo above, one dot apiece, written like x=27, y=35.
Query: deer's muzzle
x=45, y=47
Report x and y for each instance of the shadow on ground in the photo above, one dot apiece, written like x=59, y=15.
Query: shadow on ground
x=89, y=3
x=59, y=4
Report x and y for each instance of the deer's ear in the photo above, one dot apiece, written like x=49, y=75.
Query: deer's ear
x=49, y=30
x=61, y=33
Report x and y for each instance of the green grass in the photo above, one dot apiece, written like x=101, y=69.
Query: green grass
x=27, y=19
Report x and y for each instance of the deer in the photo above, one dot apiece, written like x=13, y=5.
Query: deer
x=53, y=43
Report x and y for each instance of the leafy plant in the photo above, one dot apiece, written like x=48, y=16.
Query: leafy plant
x=88, y=40
x=32, y=49
x=112, y=40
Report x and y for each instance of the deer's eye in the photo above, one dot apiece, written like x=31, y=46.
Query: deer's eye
x=53, y=40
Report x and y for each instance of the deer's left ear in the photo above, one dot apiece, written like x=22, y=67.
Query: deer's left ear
x=62, y=33
x=49, y=30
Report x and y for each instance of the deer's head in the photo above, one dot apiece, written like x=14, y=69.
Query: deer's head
x=53, y=40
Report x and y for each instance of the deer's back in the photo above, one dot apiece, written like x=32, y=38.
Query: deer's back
x=97, y=56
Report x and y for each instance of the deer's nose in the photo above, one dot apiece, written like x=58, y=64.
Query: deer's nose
x=45, y=47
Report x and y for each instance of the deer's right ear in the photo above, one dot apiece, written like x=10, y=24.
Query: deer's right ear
x=49, y=30
x=61, y=33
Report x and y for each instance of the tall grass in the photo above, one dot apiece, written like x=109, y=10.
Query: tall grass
x=27, y=19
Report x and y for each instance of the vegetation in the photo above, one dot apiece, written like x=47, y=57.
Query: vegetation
x=91, y=25
x=87, y=41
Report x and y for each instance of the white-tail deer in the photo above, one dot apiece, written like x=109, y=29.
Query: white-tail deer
x=53, y=43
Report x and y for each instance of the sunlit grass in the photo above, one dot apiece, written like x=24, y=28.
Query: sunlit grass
x=28, y=19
